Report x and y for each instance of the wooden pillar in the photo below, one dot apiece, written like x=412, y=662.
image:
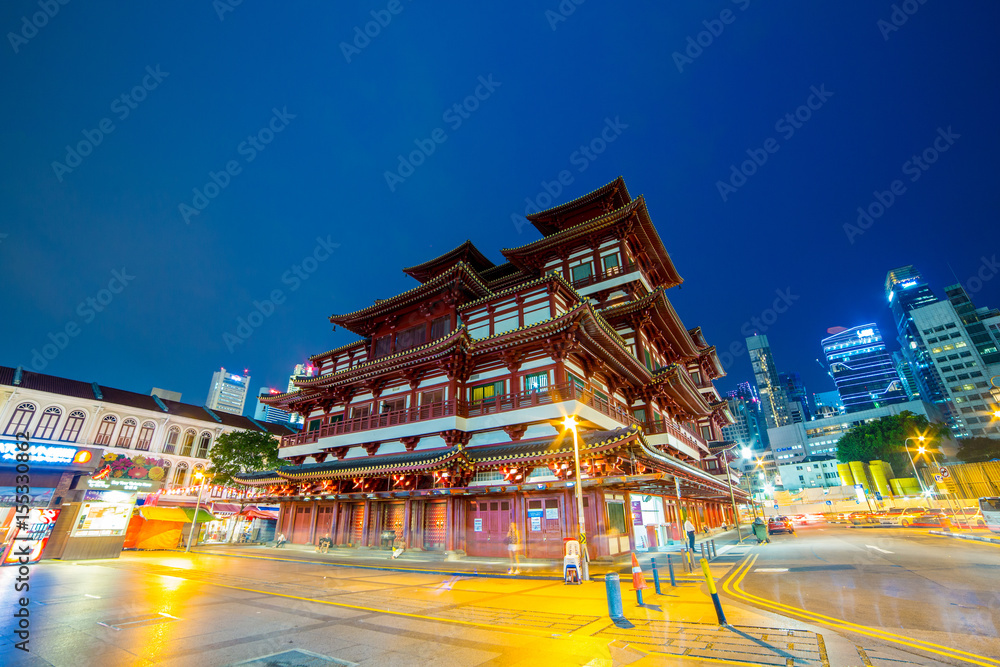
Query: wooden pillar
x=312, y=523
x=407, y=514
x=449, y=528
x=364, y=523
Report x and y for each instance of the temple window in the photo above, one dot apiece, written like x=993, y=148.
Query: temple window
x=582, y=271
x=611, y=265
x=381, y=346
x=411, y=337
x=440, y=327
x=536, y=381
x=485, y=391
x=394, y=404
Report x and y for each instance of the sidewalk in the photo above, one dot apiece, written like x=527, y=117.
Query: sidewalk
x=439, y=563
x=974, y=535
x=679, y=624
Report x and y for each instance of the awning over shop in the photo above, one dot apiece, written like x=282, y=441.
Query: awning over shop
x=180, y=514
x=254, y=513
x=225, y=509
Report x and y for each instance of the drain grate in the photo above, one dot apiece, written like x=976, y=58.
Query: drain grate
x=294, y=658
x=138, y=621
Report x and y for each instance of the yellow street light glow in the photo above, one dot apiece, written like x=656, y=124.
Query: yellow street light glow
x=921, y=449
x=569, y=423
x=921, y=438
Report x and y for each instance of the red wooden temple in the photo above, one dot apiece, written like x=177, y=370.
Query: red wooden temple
x=444, y=422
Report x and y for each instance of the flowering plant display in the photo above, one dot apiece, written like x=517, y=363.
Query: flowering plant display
x=138, y=467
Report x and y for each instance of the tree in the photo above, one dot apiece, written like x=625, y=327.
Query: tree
x=978, y=449
x=242, y=452
x=883, y=440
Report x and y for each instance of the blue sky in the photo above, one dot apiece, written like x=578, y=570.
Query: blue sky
x=329, y=121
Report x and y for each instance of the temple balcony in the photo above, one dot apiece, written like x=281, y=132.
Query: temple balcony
x=611, y=278
x=524, y=407
x=676, y=436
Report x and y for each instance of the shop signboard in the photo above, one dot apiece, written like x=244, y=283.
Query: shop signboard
x=46, y=454
x=125, y=484
x=102, y=519
x=477, y=525
x=551, y=512
x=8, y=496
x=636, y=512
x=535, y=519
x=33, y=537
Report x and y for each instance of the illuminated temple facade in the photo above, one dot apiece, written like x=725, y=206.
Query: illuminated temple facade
x=442, y=424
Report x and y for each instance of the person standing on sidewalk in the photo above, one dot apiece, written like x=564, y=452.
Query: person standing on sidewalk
x=513, y=540
x=689, y=529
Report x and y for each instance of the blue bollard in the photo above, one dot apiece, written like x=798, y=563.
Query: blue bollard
x=638, y=597
x=613, y=586
x=670, y=566
x=656, y=577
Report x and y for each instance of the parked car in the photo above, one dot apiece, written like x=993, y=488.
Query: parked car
x=862, y=517
x=930, y=519
x=838, y=517
x=900, y=516
x=780, y=524
x=967, y=517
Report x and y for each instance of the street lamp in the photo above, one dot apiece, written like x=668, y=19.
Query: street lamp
x=732, y=496
x=570, y=423
x=198, y=475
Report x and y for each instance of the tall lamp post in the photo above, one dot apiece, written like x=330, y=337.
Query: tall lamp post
x=198, y=476
x=570, y=423
x=914, y=465
x=732, y=495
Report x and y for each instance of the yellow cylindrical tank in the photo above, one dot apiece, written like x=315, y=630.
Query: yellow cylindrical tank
x=846, y=476
x=860, y=477
x=878, y=477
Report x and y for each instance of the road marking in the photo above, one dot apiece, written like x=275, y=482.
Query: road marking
x=733, y=586
x=771, y=569
x=877, y=549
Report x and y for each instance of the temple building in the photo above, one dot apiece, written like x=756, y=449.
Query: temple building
x=444, y=423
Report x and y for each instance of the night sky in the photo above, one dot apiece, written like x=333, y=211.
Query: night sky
x=308, y=117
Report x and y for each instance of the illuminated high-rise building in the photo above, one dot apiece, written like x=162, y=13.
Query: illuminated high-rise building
x=228, y=392
x=769, y=388
x=862, y=369
x=905, y=290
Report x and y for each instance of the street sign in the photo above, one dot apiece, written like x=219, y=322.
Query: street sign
x=775, y=505
x=944, y=472
x=878, y=496
x=938, y=478
x=829, y=502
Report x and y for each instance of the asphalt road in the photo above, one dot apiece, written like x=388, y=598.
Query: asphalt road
x=891, y=580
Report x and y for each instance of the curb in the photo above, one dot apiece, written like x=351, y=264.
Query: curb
x=957, y=536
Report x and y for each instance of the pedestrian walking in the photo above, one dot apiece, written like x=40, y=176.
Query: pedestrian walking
x=689, y=529
x=513, y=540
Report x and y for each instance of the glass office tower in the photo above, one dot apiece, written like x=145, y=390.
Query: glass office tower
x=862, y=369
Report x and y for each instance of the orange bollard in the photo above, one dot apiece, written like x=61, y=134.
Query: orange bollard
x=638, y=581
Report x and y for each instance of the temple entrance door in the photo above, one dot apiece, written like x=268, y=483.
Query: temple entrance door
x=357, y=522
x=324, y=522
x=434, y=518
x=301, y=521
x=488, y=521
x=544, y=538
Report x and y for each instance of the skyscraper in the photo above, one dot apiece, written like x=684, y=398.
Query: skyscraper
x=749, y=429
x=862, y=369
x=905, y=289
x=797, y=399
x=228, y=392
x=269, y=413
x=772, y=396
